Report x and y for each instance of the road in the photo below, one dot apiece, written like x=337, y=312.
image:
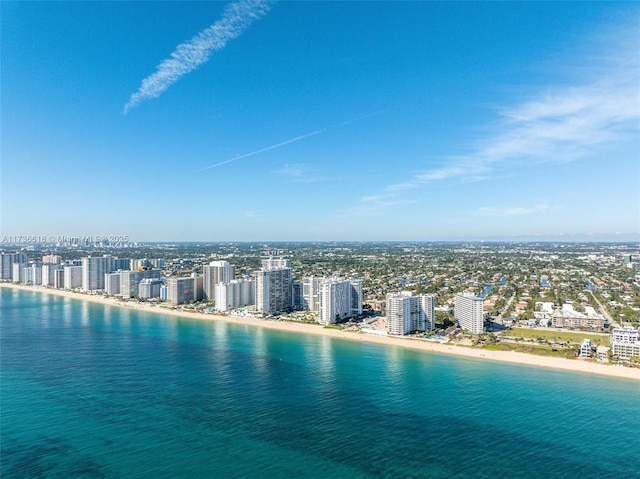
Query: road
x=604, y=312
x=506, y=307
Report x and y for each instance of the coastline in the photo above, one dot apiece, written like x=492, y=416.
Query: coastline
x=512, y=357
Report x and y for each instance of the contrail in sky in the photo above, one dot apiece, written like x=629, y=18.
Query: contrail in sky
x=262, y=150
x=293, y=140
x=188, y=56
x=363, y=117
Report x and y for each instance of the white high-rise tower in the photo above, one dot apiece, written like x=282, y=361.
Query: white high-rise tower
x=468, y=312
x=339, y=299
x=93, y=270
x=407, y=313
x=215, y=273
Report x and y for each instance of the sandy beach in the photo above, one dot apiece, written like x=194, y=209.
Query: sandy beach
x=303, y=328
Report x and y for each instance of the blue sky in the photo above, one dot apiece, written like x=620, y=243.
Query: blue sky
x=321, y=121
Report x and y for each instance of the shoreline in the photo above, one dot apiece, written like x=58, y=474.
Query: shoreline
x=512, y=357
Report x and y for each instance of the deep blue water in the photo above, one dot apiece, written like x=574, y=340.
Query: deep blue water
x=101, y=392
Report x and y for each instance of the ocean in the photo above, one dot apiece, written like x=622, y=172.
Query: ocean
x=103, y=392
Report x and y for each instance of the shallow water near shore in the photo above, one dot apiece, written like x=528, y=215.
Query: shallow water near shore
x=98, y=391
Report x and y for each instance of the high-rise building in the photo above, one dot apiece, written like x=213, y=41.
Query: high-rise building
x=247, y=292
x=49, y=273
x=150, y=288
x=407, y=313
x=35, y=276
x=58, y=278
x=157, y=263
x=311, y=293
x=18, y=272
x=130, y=280
x=30, y=273
x=198, y=287
x=112, y=283
x=121, y=264
x=72, y=277
x=273, y=290
x=468, y=312
x=276, y=263
x=357, y=297
x=235, y=294
x=180, y=290
x=93, y=271
x=339, y=299
x=26, y=274
x=7, y=261
x=51, y=259
x=138, y=264
x=297, y=300
x=214, y=273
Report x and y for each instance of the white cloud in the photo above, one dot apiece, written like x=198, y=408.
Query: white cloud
x=512, y=211
x=188, y=56
x=300, y=173
x=375, y=205
x=558, y=124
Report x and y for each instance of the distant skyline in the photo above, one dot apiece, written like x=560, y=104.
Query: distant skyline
x=320, y=121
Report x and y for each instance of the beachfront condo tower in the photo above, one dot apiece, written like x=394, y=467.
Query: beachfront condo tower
x=93, y=270
x=215, y=273
x=273, y=287
x=340, y=299
x=468, y=312
x=407, y=313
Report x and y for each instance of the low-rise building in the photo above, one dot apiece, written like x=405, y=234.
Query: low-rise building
x=567, y=317
x=602, y=354
x=626, y=335
x=585, y=348
x=625, y=343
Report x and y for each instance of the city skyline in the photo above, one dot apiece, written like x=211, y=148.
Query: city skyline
x=254, y=121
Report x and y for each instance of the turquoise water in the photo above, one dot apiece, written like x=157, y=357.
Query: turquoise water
x=101, y=392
